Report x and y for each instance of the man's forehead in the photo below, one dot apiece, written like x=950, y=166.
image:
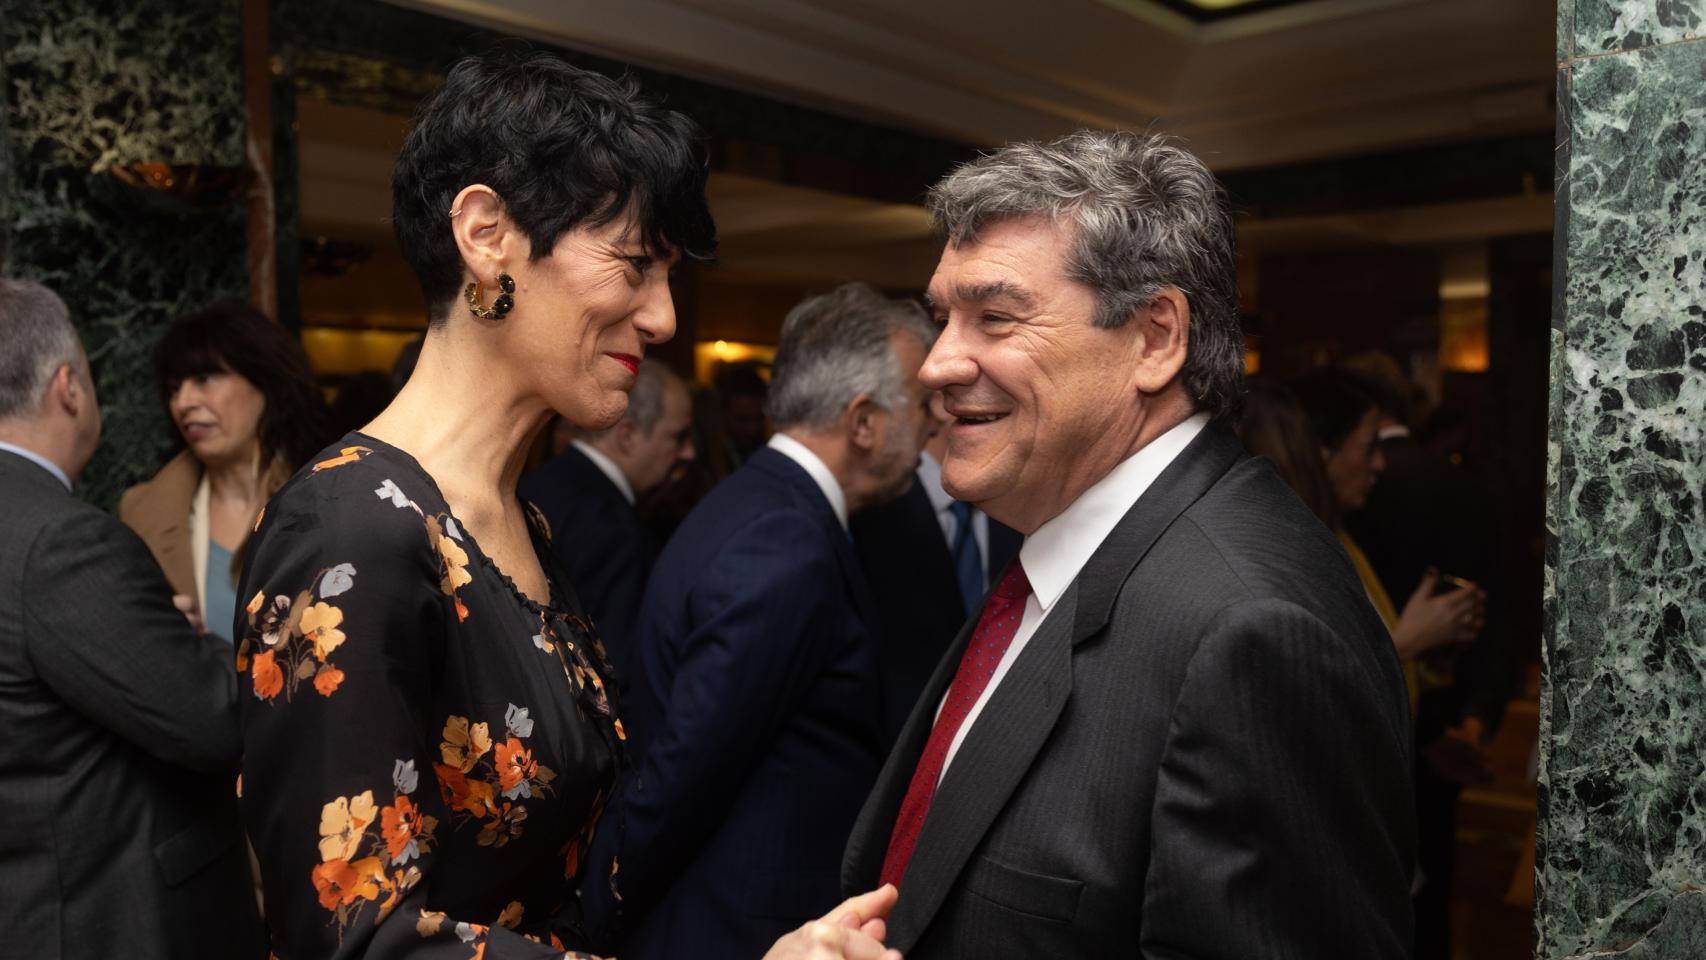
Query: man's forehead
x=1011, y=260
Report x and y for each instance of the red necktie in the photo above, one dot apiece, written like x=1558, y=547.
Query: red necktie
x=995, y=630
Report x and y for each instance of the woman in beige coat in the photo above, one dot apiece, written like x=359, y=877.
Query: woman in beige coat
x=245, y=415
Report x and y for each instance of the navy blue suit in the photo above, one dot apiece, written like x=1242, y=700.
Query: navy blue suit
x=603, y=546
x=756, y=722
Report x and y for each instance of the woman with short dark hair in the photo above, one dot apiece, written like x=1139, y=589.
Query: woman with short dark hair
x=430, y=736
x=245, y=413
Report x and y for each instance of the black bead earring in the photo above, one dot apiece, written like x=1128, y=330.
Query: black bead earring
x=500, y=307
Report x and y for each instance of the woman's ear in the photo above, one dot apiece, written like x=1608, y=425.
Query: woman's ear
x=485, y=235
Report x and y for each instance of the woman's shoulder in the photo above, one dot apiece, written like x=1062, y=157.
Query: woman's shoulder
x=168, y=493
x=358, y=487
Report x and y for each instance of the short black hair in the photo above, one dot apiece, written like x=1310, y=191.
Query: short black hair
x=562, y=147
x=231, y=336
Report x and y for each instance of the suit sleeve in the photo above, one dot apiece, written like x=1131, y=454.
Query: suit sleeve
x=763, y=624
x=1283, y=818
x=350, y=781
x=103, y=634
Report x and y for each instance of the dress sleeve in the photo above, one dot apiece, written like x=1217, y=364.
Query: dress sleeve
x=347, y=591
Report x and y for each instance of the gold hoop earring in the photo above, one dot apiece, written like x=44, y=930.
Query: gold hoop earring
x=500, y=307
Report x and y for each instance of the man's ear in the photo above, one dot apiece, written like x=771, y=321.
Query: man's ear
x=624, y=436
x=485, y=235
x=1164, y=331
x=65, y=391
x=861, y=420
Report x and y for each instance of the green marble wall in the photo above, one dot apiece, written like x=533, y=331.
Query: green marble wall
x=90, y=85
x=1622, y=856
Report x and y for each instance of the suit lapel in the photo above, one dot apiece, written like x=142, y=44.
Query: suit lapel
x=1013, y=726
x=997, y=751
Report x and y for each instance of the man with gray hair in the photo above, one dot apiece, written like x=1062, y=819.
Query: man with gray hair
x=756, y=713
x=118, y=822
x=588, y=493
x=1176, y=728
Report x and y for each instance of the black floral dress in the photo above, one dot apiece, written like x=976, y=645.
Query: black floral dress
x=427, y=750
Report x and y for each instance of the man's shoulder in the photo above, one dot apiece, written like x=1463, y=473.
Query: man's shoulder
x=750, y=506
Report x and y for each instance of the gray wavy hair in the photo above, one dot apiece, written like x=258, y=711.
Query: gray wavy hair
x=834, y=347
x=38, y=336
x=1149, y=214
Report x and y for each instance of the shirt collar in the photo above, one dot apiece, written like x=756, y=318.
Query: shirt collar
x=39, y=461
x=801, y=454
x=607, y=467
x=930, y=478
x=1054, y=554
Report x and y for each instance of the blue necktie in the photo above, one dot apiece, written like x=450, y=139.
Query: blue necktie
x=968, y=563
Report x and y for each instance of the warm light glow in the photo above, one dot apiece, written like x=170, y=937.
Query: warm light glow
x=332, y=350
x=1463, y=336
x=706, y=356
x=1252, y=361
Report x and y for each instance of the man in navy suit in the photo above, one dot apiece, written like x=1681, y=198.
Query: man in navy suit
x=587, y=494
x=929, y=560
x=756, y=712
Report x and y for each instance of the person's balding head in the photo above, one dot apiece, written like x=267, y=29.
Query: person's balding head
x=655, y=434
x=47, y=397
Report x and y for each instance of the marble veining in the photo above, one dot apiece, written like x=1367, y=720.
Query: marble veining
x=1610, y=26
x=96, y=84
x=1623, y=779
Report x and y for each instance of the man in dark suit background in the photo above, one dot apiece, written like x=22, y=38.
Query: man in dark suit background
x=588, y=495
x=756, y=711
x=929, y=559
x=1177, y=728
x=118, y=821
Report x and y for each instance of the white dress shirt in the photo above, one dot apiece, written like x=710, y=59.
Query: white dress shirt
x=930, y=478
x=1059, y=549
x=39, y=461
x=801, y=454
x=607, y=467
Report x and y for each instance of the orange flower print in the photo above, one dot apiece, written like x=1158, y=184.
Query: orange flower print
x=464, y=743
x=346, y=455
x=401, y=825
x=327, y=679
x=265, y=674
x=342, y=823
x=341, y=882
x=319, y=624
x=334, y=879
x=510, y=918
x=452, y=785
x=516, y=767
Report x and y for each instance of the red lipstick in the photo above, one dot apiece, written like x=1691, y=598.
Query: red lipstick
x=627, y=360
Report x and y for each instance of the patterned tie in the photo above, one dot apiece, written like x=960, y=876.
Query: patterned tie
x=968, y=562
x=995, y=630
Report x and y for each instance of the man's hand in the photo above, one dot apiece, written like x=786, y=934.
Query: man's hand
x=852, y=931
x=186, y=606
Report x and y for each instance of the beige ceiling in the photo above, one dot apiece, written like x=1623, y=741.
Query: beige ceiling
x=1318, y=79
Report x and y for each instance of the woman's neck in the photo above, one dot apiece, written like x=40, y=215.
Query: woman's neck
x=236, y=479
x=467, y=425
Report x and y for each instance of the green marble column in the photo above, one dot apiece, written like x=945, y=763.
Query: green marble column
x=91, y=86
x=1622, y=856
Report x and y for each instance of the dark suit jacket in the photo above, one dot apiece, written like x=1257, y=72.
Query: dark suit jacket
x=911, y=572
x=756, y=723
x=1202, y=752
x=597, y=535
x=118, y=815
